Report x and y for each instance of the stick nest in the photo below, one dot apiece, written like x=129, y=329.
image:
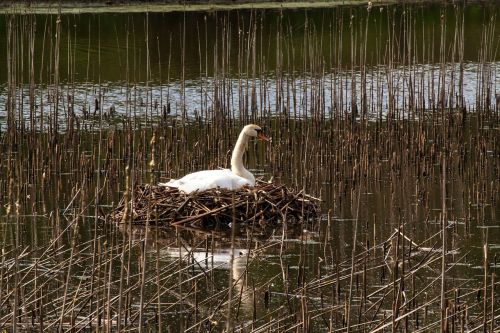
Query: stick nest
x=265, y=204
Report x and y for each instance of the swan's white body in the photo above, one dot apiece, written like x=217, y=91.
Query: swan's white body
x=207, y=179
x=232, y=179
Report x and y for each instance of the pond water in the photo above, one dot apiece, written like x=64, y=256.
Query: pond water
x=389, y=116
x=273, y=61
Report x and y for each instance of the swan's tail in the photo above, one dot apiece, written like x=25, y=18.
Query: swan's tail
x=171, y=183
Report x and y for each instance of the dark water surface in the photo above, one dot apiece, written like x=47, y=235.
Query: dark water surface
x=388, y=116
x=96, y=47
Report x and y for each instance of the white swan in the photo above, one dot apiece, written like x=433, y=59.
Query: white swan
x=232, y=179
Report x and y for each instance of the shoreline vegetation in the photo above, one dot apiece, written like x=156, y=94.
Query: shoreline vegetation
x=137, y=6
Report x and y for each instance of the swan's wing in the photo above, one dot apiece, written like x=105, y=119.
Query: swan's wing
x=207, y=179
x=193, y=178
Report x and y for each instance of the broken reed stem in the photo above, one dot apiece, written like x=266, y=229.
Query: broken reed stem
x=353, y=256
x=229, y=320
x=485, y=285
x=444, y=226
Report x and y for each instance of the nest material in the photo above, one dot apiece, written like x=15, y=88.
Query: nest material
x=266, y=204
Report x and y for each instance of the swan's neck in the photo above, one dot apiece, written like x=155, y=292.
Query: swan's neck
x=237, y=158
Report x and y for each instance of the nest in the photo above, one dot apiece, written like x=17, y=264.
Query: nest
x=265, y=204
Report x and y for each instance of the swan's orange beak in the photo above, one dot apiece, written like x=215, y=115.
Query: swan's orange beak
x=261, y=136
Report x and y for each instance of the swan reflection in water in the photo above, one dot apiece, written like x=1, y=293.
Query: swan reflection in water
x=203, y=253
x=211, y=253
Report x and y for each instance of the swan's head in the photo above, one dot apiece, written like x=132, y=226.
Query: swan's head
x=256, y=132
